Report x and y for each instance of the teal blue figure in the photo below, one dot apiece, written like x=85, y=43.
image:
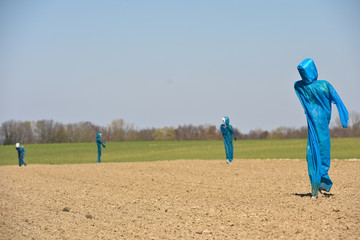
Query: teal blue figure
x=316, y=97
x=21, y=153
x=99, y=143
x=227, y=133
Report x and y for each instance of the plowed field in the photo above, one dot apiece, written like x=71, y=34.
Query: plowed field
x=184, y=199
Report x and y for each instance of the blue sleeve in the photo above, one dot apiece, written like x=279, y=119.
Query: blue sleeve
x=223, y=129
x=343, y=113
x=297, y=91
x=232, y=131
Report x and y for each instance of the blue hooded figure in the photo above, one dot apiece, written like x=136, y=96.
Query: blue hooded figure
x=227, y=132
x=316, y=97
x=99, y=143
x=21, y=153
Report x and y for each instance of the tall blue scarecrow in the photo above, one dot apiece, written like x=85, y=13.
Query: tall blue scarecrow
x=227, y=132
x=99, y=143
x=316, y=97
x=21, y=153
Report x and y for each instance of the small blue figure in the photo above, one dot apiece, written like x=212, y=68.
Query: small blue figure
x=227, y=132
x=21, y=153
x=99, y=143
x=316, y=97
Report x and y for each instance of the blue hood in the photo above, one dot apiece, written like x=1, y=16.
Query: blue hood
x=98, y=135
x=227, y=120
x=308, y=71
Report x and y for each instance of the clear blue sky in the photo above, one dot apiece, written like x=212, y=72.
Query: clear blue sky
x=169, y=63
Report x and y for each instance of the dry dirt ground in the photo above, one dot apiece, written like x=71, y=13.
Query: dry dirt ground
x=192, y=199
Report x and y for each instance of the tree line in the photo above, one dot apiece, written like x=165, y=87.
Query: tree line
x=49, y=131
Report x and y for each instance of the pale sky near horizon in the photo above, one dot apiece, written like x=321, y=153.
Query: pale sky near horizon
x=170, y=63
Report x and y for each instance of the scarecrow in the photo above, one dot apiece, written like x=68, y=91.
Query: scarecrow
x=316, y=97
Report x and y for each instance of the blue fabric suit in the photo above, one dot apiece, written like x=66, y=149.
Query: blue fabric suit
x=316, y=97
x=227, y=132
x=99, y=143
x=21, y=153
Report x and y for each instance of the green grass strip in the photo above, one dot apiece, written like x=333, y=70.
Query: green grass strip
x=77, y=153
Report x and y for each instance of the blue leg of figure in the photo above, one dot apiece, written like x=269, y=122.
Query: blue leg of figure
x=324, y=145
x=228, y=149
x=22, y=159
x=231, y=152
x=312, y=169
x=314, y=161
x=99, y=156
x=19, y=156
x=227, y=152
x=23, y=163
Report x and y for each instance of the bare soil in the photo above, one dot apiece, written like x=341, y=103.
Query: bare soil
x=185, y=199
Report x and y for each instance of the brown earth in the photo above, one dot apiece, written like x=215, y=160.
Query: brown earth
x=192, y=199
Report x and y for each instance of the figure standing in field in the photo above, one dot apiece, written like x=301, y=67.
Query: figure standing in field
x=227, y=132
x=99, y=143
x=316, y=97
x=21, y=153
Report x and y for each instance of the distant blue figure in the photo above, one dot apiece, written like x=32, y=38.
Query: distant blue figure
x=227, y=132
x=21, y=154
x=99, y=143
x=316, y=97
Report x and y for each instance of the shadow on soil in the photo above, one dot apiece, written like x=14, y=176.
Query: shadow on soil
x=327, y=195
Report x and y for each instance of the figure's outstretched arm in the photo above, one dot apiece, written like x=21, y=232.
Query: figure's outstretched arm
x=232, y=132
x=343, y=113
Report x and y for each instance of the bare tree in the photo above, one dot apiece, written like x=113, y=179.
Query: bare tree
x=354, y=124
x=117, y=130
x=60, y=133
x=44, y=131
x=48, y=131
x=186, y=132
x=164, y=134
x=8, y=132
x=145, y=135
x=258, y=134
